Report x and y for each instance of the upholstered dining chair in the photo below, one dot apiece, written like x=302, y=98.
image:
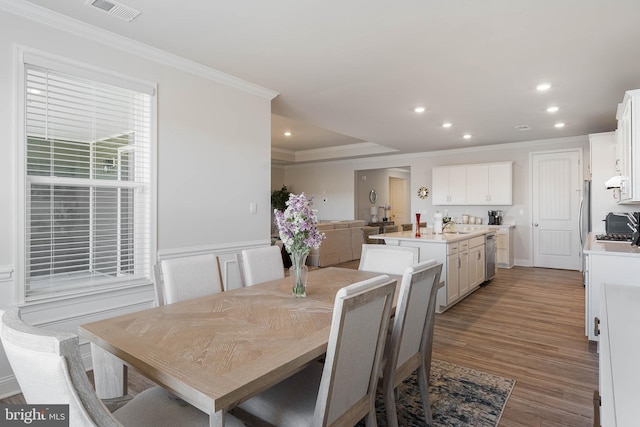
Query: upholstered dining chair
x=408, y=347
x=49, y=370
x=260, y=265
x=342, y=391
x=179, y=279
x=387, y=259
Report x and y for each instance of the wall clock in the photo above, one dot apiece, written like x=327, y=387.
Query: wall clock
x=423, y=192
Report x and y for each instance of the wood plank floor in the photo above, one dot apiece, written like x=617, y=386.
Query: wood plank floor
x=526, y=324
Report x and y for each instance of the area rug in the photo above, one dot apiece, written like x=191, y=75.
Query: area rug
x=459, y=396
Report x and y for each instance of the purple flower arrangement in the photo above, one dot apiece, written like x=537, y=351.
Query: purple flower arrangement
x=297, y=225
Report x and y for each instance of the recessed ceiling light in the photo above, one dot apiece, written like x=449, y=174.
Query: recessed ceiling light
x=287, y=133
x=559, y=125
x=543, y=86
x=34, y=91
x=419, y=109
x=467, y=136
x=552, y=109
x=447, y=124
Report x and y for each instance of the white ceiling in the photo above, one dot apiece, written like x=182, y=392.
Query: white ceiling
x=351, y=72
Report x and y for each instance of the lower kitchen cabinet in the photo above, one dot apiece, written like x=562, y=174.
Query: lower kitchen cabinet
x=619, y=375
x=457, y=283
x=601, y=268
x=504, y=244
x=465, y=270
x=476, y=261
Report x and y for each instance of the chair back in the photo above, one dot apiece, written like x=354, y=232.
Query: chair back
x=413, y=320
x=408, y=347
x=179, y=279
x=261, y=265
x=387, y=259
x=49, y=369
x=359, y=326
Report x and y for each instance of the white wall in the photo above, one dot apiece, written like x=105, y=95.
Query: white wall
x=213, y=160
x=334, y=181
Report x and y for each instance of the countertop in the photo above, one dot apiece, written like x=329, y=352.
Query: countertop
x=599, y=247
x=458, y=233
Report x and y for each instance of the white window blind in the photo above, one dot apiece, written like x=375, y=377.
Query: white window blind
x=87, y=195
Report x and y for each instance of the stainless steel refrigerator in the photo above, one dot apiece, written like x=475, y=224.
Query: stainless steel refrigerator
x=585, y=221
x=585, y=212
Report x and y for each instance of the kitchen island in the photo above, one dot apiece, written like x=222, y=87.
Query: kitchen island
x=461, y=252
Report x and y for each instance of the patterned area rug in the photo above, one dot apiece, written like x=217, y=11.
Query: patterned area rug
x=459, y=396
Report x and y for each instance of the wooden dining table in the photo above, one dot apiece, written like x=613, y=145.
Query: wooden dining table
x=219, y=350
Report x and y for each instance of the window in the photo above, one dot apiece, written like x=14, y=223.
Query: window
x=87, y=182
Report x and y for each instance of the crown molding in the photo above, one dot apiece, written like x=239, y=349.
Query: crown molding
x=398, y=158
x=61, y=22
x=326, y=153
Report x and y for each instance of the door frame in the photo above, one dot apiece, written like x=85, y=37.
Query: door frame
x=580, y=151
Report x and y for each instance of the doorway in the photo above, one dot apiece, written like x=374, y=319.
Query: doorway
x=398, y=200
x=556, y=185
x=379, y=181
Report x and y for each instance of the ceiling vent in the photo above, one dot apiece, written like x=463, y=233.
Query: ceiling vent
x=118, y=10
x=523, y=128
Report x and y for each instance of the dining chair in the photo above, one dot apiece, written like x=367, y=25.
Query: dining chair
x=260, y=265
x=49, y=370
x=342, y=390
x=387, y=259
x=408, y=347
x=179, y=279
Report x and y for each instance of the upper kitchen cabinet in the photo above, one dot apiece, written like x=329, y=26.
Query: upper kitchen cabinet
x=627, y=147
x=449, y=185
x=478, y=184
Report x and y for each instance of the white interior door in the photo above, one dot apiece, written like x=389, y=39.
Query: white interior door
x=556, y=202
x=398, y=200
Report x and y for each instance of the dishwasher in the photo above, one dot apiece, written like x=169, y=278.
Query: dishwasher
x=490, y=250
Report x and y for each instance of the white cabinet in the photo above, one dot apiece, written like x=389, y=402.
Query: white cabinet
x=457, y=283
x=452, y=285
x=504, y=247
x=619, y=353
x=476, y=262
x=478, y=184
x=450, y=182
x=606, y=267
x=627, y=147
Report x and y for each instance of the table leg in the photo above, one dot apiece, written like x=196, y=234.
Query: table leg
x=109, y=373
x=216, y=419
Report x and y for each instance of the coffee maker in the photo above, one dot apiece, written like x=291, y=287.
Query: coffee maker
x=495, y=217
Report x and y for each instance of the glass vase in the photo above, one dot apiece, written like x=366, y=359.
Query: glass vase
x=418, y=225
x=298, y=274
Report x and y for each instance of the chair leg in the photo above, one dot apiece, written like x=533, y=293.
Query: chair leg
x=370, y=419
x=390, y=405
x=424, y=392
